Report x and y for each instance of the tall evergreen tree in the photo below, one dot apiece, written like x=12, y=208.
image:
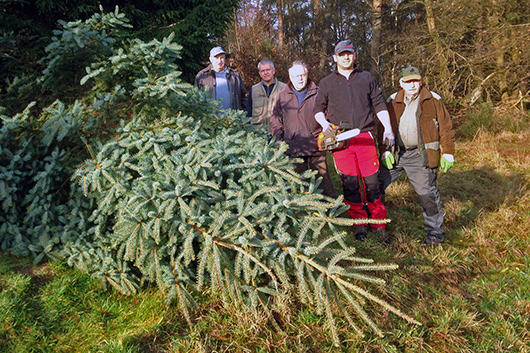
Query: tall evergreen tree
x=27, y=27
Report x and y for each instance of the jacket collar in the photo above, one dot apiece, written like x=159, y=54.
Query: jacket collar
x=273, y=83
x=355, y=70
x=424, y=95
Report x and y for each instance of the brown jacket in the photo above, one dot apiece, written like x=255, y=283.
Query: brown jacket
x=435, y=128
x=296, y=125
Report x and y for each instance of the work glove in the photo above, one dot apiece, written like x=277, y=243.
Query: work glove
x=446, y=162
x=388, y=160
x=388, y=138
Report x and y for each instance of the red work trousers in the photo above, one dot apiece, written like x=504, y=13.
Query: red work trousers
x=358, y=164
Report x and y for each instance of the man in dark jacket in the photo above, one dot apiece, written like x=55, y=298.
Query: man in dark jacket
x=352, y=95
x=224, y=83
x=292, y=121
x=424, y=140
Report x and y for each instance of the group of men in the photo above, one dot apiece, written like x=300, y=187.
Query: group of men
x=414, y=131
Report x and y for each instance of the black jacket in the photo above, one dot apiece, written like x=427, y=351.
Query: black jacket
x=353, y=100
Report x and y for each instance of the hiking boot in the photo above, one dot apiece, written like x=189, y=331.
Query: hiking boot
x=383, y=235
x=360, y=233
x=433, y=240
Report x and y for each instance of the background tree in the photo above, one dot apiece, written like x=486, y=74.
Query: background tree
x=468, y=51
x=377, y=27
x=253, y=37
x=27, y=27
x=312, y=28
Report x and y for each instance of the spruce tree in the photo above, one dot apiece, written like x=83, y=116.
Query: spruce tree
x=143, y=181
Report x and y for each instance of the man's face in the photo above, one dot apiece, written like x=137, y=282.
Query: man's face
x=411, y=87
x=267, y=72
x=344, y=60
x=218, y=62
x=298, y=77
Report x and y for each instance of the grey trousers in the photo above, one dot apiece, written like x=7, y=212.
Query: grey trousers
x=423, y=180
x=318, y=163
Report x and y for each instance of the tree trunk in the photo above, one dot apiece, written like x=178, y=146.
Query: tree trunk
x=444, y=76
x=236, y=30
x=498, y=45
x=325, y=15
x=281, y=33
x=377, y=14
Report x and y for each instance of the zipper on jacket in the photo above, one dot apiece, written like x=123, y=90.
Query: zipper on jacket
x=350, y=96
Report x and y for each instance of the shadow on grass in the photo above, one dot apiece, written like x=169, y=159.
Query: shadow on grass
x=468, y=194
x=465, y=196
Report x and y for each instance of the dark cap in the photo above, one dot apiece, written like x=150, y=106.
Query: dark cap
x=410, y=73
x=216, y=51
x=345, y=45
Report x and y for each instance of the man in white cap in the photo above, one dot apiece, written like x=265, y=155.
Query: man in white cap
x=352, y=96
x=424, y=141
x=223, y=83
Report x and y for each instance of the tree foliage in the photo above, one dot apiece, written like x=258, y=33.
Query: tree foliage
x=29, y=25
x=141, y=181
x=468, y=51
x=311, y=30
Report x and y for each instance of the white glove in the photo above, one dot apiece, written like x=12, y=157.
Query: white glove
x=449, y=157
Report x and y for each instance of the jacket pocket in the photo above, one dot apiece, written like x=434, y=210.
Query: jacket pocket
x=430, y=131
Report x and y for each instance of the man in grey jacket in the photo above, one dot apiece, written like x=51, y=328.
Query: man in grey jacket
x=223, y=83
x=263, y=95
x=292, y=121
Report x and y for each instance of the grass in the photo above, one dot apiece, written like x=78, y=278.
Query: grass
x=472, y=293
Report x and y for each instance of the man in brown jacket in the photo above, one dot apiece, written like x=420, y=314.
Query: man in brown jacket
x=292, y=122
x=424, y=140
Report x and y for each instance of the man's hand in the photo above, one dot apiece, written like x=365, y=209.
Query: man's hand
x=388, y=138
x=388, y=135
x=446, y=162
x=388, y=160
x=327, y=127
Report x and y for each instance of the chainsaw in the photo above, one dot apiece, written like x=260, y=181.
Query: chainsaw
x=337, y=137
